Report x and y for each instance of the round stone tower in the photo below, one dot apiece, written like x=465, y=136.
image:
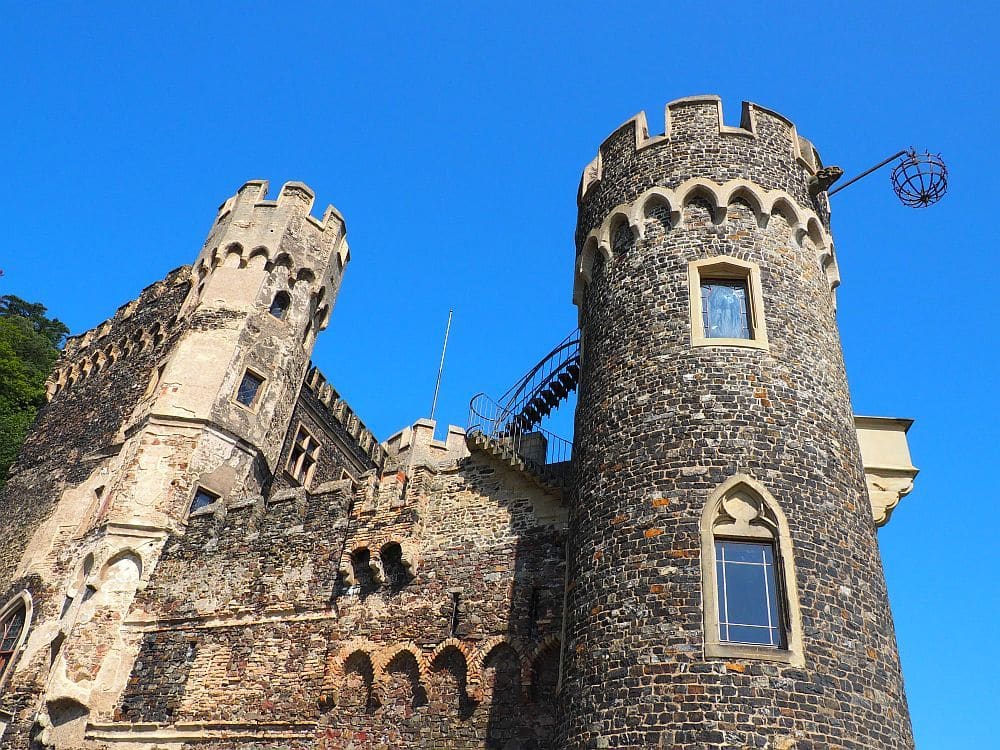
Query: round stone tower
x=725, y=586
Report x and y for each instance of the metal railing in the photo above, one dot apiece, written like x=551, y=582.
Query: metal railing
x=545, y=374
x=535, y=446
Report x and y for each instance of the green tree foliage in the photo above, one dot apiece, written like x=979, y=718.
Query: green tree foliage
x=29, y=346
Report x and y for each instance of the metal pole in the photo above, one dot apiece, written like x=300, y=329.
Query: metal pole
x=437, y=386
x=867, y=172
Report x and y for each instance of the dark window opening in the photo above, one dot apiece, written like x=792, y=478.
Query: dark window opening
x=364, y=578
x=202, y=499
x=249, y=388
x=397, y=575
x=455, y=600
x=280, y=305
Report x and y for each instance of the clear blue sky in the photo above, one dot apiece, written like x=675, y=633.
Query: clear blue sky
x=452, y=135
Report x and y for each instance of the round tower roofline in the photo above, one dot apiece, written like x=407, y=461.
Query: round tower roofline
x=678, y=128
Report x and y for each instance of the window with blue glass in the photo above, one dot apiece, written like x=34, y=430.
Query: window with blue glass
x=725, y=309
x=249, y=388
x=748, y=594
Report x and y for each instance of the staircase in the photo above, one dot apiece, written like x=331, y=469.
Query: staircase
x=508, y=429
x=544, y=386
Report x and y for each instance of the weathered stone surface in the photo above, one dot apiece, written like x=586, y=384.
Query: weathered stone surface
x=659, y=419
x=416, y=592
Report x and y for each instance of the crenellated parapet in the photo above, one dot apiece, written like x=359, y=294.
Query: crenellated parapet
x=134, y=329
x=696, y=139
x=341, y=411
x=303, y=256
x=638, y=180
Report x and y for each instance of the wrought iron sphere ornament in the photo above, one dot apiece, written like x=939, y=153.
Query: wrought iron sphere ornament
x=920, y=180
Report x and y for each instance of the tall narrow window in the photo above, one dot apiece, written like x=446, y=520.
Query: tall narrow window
x=727, y=306
x=748, y=594
x=12, y=625
x=280, y=304
x=249, y=389
x=748, y=577
x=302, y=459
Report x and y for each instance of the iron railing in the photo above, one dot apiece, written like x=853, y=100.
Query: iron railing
x=544, y=386
x=534, y=446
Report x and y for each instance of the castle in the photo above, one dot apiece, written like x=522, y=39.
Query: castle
x=204, y=547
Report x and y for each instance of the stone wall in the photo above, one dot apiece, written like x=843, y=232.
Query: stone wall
x=57, y=489
x=329, y=618
x=662, y=423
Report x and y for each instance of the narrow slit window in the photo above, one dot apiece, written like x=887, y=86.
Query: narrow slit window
x=725, y=309
x=749, y=610
x=280, y=305
x=249, y=388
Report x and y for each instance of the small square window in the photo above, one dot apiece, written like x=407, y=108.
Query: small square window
x=724, y=309
x=726, y=303
x=249, y=388
x=202, y=499
x=302, y=459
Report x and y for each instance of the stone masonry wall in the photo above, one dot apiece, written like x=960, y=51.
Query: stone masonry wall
x=46, y=509
x=661, y=424
x=295, y=618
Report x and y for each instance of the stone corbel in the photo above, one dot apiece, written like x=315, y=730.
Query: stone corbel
x=889, y=472
x=886, y=487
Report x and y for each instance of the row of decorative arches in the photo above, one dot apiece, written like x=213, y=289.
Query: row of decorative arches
x=498, y=670
x=656, y=200
x=139, y=341
x=234, y=256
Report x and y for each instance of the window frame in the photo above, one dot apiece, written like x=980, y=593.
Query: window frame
x=727, y=268
x=769, y=527
x=313, y=454
x=258, y=395
x=192, y=511
x=21, y=600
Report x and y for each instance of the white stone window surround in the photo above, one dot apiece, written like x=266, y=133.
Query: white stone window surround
x=726, y=267
x=18, y=601
x=741, y=508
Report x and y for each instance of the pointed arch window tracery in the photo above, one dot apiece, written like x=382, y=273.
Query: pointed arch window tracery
x=750, y=601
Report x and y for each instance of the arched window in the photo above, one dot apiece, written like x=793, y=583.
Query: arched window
x=748, y=577
x=280, y=304
x=14, y=621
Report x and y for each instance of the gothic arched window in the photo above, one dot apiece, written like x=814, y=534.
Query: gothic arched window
x=748, y=577
x=14, y=620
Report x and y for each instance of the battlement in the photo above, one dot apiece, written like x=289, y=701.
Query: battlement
x=136, y=327
x=417, y=441
x=294, y=199
x=339, y=409
x=250, y=230
x=697, y=119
